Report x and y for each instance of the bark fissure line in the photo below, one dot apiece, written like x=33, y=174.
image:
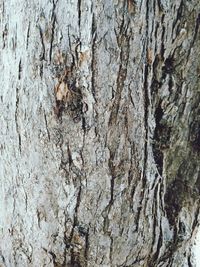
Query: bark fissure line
x=17, y=119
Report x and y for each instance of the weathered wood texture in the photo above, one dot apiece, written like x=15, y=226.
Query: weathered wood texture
x=99, y=132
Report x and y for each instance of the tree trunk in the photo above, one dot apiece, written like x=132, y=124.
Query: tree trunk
x=100, y=132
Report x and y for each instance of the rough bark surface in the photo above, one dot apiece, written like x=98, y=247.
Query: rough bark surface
x=99, y=132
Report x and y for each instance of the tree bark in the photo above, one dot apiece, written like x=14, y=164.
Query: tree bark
x=100, y=132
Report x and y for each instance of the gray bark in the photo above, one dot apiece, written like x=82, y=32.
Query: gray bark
x=99, y=132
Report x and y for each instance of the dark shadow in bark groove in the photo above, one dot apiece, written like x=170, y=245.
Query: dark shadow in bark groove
x=161, y=138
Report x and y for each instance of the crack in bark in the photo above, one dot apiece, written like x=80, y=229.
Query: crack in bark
x=153, y=260
x=5, y=36
x=111, y=249
x=16, y=119
x=87, y=246
x=179, y=16
x=19, y=69
x=53, y=22
x=28, y=35
x=42, y=57
x=46, y=125
x=75, y=223
x=79, y=14
x=146, y=96
x=123, y=40
x=162, y=48
x=189, y=261
x=66, y=242
x=146, y=114
x=3, y=259
x=112, y=181
x=93, y=62
x=196, y=216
